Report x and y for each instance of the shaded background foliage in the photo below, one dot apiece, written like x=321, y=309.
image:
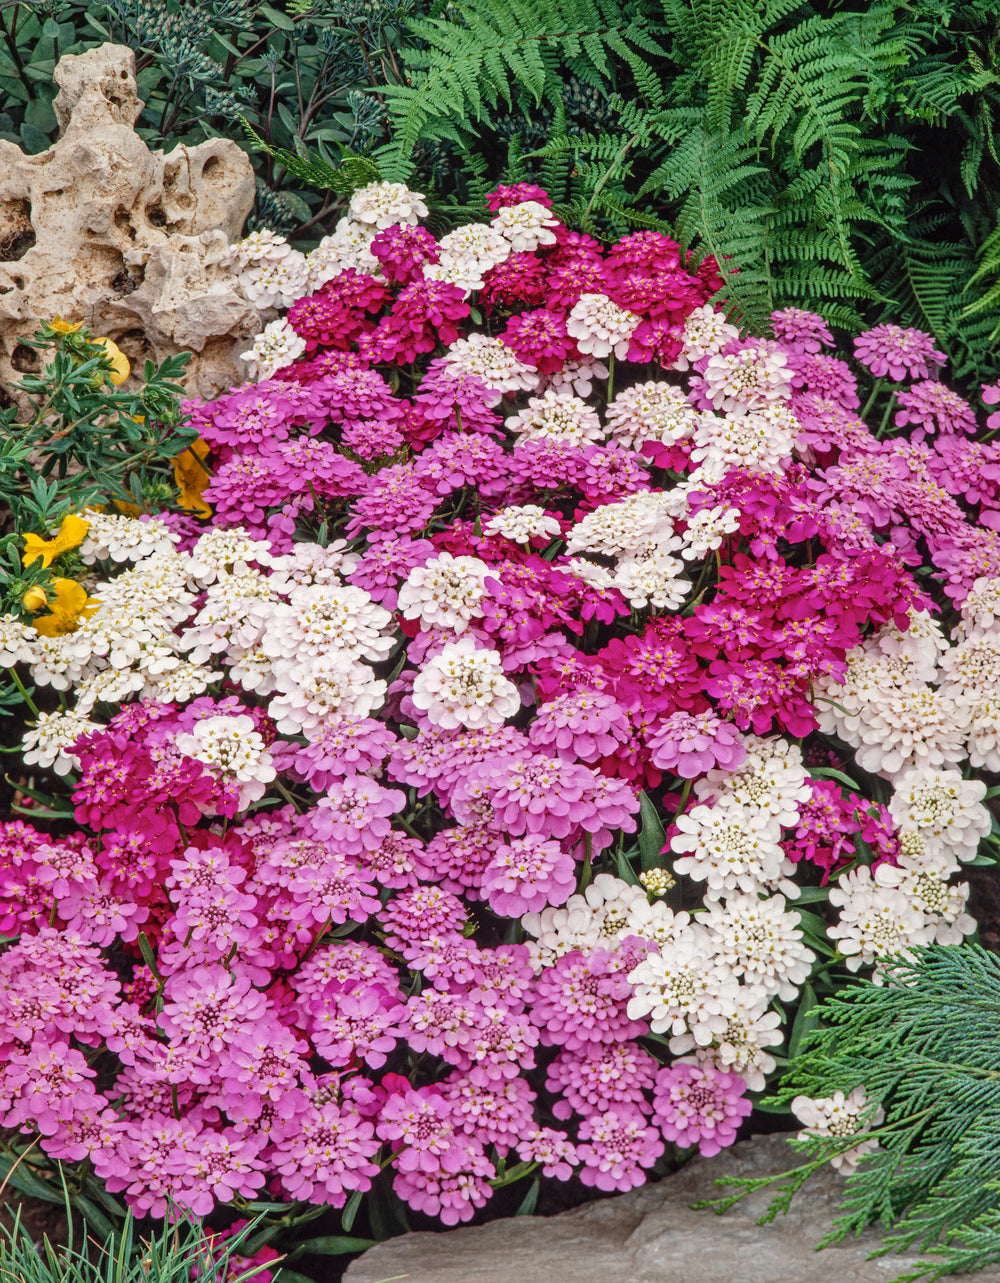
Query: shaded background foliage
x=841, y=156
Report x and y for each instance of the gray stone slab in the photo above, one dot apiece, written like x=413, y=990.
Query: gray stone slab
x=651, y=1235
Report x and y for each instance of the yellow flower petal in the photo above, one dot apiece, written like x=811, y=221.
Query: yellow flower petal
x=70, y=534
x=192, y=477
x=35, y=598
x=70, y=606
x=64, y=327
x=119, y=361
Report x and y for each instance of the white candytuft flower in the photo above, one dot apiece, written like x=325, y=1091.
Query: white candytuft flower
x=839, y=1115
x=876, y=921
x=492, y=361
x=651, y=412
x=308, y=693
x=650, y=576
x=48, y=742
x=601, y=327
x=558, y=416
x=707, y=530
x=923, y=879
x=739, y=1046
x=704, y=333
x=347, y=248
x=731, y=849
x=981, y=609
x=220, y=550
x=760, y=441
x=945, y=809
x=275, y=347
x=470, y=251
x=465, y=687
x=522, y=523
x=276, y=282
x=15, y=641
x=117, y=538
x=683, y=990
x=760, y=943
x=234, y=750
x=750, y=379
x=384, y=205
x=181, y=683
x=445, y=593
x=325, y=617
x=614, y=529
x=601, y=915
x=525, y=226
x=771, y=782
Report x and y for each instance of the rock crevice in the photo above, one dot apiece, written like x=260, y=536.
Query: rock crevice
x=132, y=242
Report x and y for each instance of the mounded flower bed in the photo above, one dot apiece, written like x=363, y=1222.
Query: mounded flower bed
x=540, y=695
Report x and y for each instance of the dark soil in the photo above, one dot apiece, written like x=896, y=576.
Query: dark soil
x=38, y=1219
x=984, y=905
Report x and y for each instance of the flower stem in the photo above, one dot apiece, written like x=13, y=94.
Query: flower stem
x=879, y=384
x=24, y=693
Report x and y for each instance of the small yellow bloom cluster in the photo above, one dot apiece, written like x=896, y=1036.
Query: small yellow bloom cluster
x=71, y=602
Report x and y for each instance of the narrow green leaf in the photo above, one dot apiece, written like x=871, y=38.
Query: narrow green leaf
x=652, y=836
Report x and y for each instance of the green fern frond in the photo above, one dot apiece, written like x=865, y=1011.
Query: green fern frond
x=483, y=55
x=313, y=170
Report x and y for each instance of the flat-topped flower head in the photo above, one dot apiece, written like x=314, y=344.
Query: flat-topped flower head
x=899, y=353
x=464, y=686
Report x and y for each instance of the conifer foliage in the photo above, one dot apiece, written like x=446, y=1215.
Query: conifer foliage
x=926, y=1047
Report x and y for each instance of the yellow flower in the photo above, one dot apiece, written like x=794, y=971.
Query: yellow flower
x=119, y=361
x=192, y=477
x=70, y=534
x=64, y=327
x=70, y=606
x=35, y=598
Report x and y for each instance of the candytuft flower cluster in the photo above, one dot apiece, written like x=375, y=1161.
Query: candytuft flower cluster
x=505, y=639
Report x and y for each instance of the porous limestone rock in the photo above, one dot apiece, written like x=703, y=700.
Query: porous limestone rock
x=651, y=1235
x=130, y=241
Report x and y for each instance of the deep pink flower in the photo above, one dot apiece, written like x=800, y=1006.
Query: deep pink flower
x=517, y=194
x=335, y=314
x=402, y=251
x=541, y=339
x=424, y=314
x=518, y=280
